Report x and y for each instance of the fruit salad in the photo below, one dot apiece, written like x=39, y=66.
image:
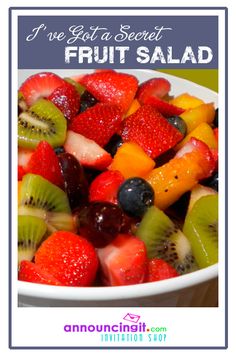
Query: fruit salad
x=117, y=180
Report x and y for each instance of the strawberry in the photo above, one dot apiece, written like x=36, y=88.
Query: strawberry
x=40, y=85
x=148, y=128
x=67, y=99
x=165, y=108
x=44, y=162
x=86, y=151
x=123, y=261
x=105, y=186
x=216, y=133
x=155, y=87
x=70, y=258
x=31, y=272
x=98, y=123
x=112, y=87
x=21, y=172
x=24, y=156
x=159, y=269
x=204, y=156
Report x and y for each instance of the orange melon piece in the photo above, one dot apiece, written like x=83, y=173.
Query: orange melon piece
x=131, y=160
x=200, y=114
x=174, y=178
x=204, y=132
x=186, y=101
x=133, y=108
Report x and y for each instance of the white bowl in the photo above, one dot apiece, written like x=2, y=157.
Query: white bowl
x=197, y=289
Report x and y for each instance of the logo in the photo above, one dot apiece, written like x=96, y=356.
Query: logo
x=132, y=317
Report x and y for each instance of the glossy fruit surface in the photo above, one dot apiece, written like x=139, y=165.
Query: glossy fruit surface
x=135, y=195
x=70, y=258
x=100, y=222
x=75, y=183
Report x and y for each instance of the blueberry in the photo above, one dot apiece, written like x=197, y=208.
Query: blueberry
x=212, y=182
x=215, y=122
x=114, y=143
x=135, y=195
x=87, y=100
x=178, y=123
x=59, y=150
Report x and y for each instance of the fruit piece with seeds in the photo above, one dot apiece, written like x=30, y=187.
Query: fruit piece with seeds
x=159, y=269
x=149, y=129
x=40, y=85
x=164, y=240
x=201, y=228
x=165, y=108
x=123, y=261
x=79, y=88
x=86, y=151
x=155, y=87
x=44, y=162
x=105, y=186
x=192, y=163
x=112, y=87
x=70, y=258
x=197, y=192
x=31, y=231
x=67, y=99
x=38, y=197
x=98, y=123
x=42, y=121
x=31, y=272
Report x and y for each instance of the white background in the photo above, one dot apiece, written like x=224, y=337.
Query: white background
x=5, y=352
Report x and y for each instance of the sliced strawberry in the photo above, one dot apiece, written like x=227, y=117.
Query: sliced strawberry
x=157, y=87
x=21, y=172
x=67, y=99
x=24, y=156
x=148, y=128
x=70, y=258
x=105, y=186
x=123, y=261
x=40, y=85
x=87, y=152
x=159, y=269
x=204, y=155
x=31, y=272
x=165, y=108
x=112, y=87
x=98, y=123
x=44, y=162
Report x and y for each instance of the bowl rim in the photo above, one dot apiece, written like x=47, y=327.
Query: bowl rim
x=106, y=293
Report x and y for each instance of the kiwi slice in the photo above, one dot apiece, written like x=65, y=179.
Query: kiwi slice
x=38, y=197
x=22, y=106
x=79, y=88
x=163, y=239
x=201, y=228
x=42, y=121
x=31, y=231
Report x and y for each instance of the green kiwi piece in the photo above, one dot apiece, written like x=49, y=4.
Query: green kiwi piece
x=38, y=197
x=201, y=228
x=79, y=88
x=42, y=121
x=31, y=231
x=163, y=239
